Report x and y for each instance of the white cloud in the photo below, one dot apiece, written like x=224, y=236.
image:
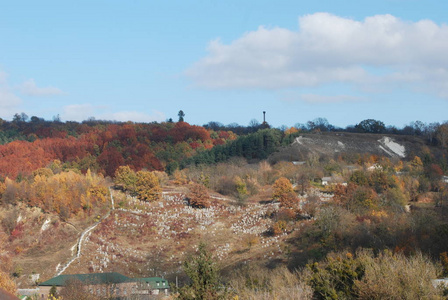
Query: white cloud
x=328, y=49
x=316, y=99
x=30, y=88
x=81, y=112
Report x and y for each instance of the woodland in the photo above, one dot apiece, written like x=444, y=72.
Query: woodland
x=221, y=212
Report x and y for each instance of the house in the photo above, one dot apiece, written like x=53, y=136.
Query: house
x=151, y=286
x=440, y=282
x=112, y=284
x=333, y=180
x=326, y=180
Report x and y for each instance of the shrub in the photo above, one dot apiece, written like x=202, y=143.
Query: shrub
x=366, y=276
x=279, y=227
x=394, y=276
x=335, y=278
x=198, y=196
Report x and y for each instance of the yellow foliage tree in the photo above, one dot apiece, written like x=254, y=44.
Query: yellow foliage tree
x=148, y=186
x=125, y=178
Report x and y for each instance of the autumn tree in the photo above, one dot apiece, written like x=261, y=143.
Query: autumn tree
x=147, y=186
x=289, y=200
x=198, y=196
x=282, y=187
x=442, y=135
x=76, y=289
x=125, y=178
x=303, y=180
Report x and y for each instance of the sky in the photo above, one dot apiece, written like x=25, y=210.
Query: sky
x=225, y=61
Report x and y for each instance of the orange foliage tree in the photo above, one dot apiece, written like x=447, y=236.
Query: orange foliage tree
x=199, y=196
x=282, y=187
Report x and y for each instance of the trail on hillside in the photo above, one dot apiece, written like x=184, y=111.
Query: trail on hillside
x=59, y=270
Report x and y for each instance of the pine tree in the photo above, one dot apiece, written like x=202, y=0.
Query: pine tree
x=204, y=276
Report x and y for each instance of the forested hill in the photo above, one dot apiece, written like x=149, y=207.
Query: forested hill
x=103, y=146
x=254, y=147
x=100, y=146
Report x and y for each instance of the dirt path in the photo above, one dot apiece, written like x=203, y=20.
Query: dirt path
x=60, y=270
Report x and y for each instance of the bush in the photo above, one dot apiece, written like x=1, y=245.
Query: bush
x=335, y=278
x=394, y=276
x=198, y=196
x=366, y=276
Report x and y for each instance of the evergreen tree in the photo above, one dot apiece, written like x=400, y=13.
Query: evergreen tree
x=181, y=115
x=204, y=277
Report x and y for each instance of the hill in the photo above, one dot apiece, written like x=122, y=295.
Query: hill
x=63, y=208
x=345, y=144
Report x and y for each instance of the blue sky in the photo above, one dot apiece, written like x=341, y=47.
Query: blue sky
x=225, y=61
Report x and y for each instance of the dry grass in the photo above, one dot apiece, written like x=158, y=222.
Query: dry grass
x=254, y=282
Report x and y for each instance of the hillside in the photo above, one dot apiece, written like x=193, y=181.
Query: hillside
x=91, y=203
x=144, y=239
x=349, y=144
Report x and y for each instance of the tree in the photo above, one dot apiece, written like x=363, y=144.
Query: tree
x=181, y=115
x=442, y=135
x=371, y=126
x=289, y=200
x=204, y=276
x=126, y=178
x=147, y=186
x=198, y=196
x=303, y=180
x=53, y=292
x=282, y=187
x=23, y=117
x=319, y=124
x=75, y=289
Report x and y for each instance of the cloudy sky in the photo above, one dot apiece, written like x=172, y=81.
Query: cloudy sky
x=225, y=61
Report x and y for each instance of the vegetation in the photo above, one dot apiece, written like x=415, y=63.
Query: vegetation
x=203, y=273
x=387, y=213
x=368, y=276
x=198, y=196
x=6, y=283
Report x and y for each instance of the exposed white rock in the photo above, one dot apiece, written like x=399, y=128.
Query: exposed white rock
x=392, y=148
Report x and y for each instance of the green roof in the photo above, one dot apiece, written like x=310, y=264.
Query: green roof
x=105, y=278
x=152, y=281
x=94, y=278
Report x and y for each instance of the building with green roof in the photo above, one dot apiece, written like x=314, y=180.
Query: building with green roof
x=113, y=285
